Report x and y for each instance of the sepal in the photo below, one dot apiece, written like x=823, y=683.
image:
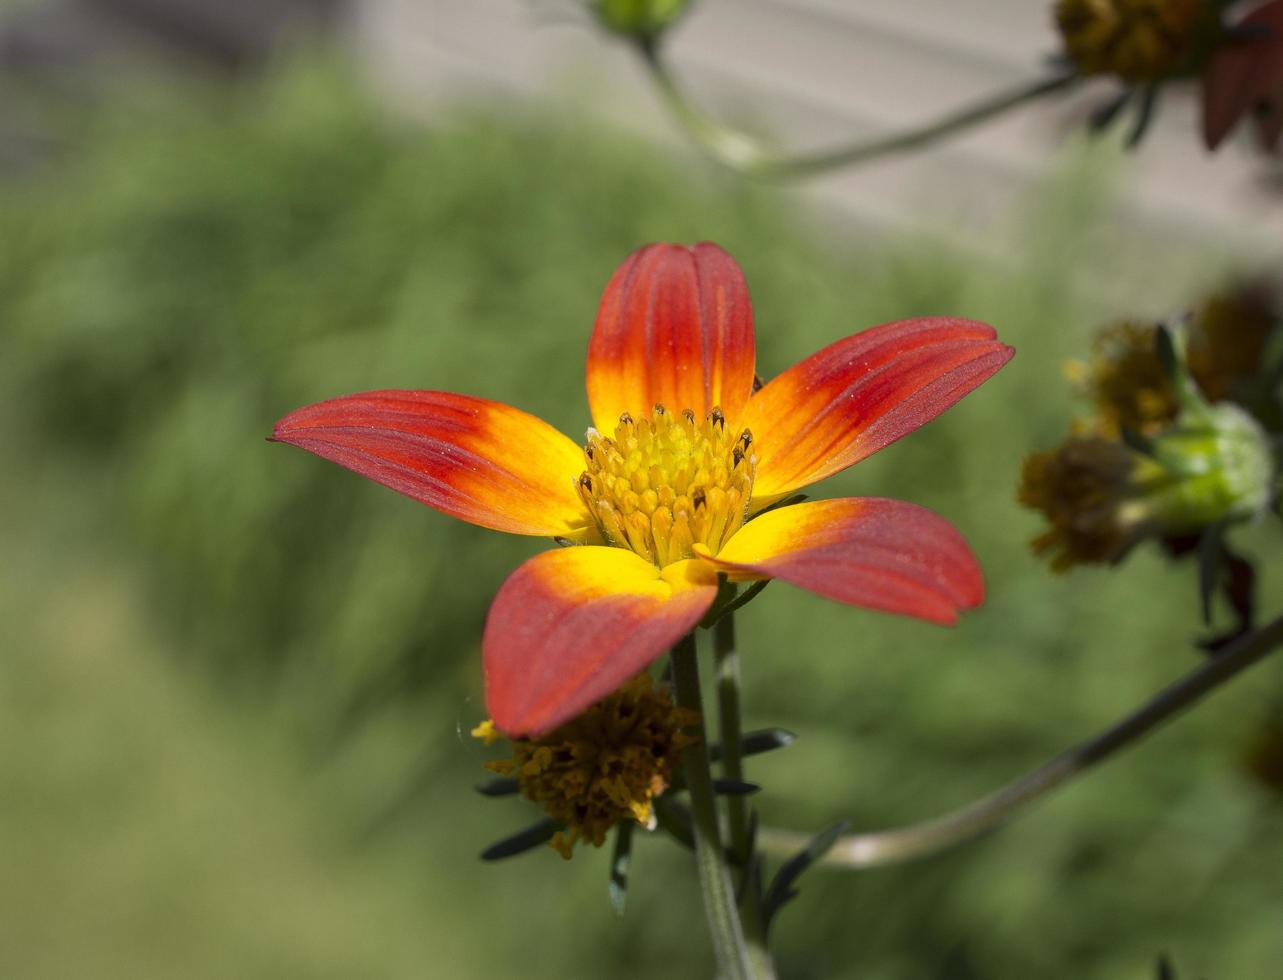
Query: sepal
x=533, y=836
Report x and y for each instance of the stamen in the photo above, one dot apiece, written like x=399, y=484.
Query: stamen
x=666, y=482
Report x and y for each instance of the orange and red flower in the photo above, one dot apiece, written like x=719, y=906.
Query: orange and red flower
x=675, y=494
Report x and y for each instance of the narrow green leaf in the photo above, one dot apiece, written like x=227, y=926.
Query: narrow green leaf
x=619, y=862
x=1103, y=115
x=734, y=787
x=1165, y=346
x=781, y=889
x=499, y=786
x=675, y=820
x=756, y=742
x=1144, y=116
x=796, y=498
x=738, y=602
x=723, y=601
x=765, y=740
x=522, y=841
x=1135, y=441
x=1209, y=568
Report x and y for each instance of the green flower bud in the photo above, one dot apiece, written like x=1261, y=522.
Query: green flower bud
x=1220, y=468
x=642, y=20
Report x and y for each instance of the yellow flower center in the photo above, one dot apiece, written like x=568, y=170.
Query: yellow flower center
x=665, y=483
x=1138, y=40
x=604, y=766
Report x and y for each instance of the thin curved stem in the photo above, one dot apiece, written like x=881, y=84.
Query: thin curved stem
x=991, y=812
x=714, y=876
x=750, y=156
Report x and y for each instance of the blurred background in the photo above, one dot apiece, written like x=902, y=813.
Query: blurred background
x=236, y=682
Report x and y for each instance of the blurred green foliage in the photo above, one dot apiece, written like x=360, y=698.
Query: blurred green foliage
x=237, y=677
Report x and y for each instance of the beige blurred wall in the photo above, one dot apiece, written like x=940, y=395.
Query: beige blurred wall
x=819, y=70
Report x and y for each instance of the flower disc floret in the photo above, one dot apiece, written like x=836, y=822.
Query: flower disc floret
x=606, y=765
x=665, y=483
x=1137, y=40
x=1126, y=381
x=1084, y=489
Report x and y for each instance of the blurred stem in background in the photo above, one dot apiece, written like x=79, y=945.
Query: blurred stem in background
x=750, y=156
x=991, y=812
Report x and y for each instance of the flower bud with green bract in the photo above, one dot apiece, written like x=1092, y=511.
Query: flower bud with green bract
x=1220, y=466
x=1102, y=497
x=641, y=20
x=1210, y=465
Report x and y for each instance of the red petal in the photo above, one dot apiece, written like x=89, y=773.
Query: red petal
x=865, y=551
x=569, y=627
x=480, y=461
x=1241, y=74
x=675, y=328
x=860, y=394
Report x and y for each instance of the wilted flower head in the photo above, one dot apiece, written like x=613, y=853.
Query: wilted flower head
x=1137, y=40
x=1226, y=341
x=1125, y=380
x=1088, y=490
x=1234, y=48
x=1228, y=338
x=1140, y=476
x=606, y=765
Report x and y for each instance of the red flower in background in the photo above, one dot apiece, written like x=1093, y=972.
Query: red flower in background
x=675, y=494
x=1245, y=75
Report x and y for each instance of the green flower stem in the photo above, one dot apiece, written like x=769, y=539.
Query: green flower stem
x=728, y=716
x=991, y=812
x=726, y=657
x=733, y=961
x=750, y=156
